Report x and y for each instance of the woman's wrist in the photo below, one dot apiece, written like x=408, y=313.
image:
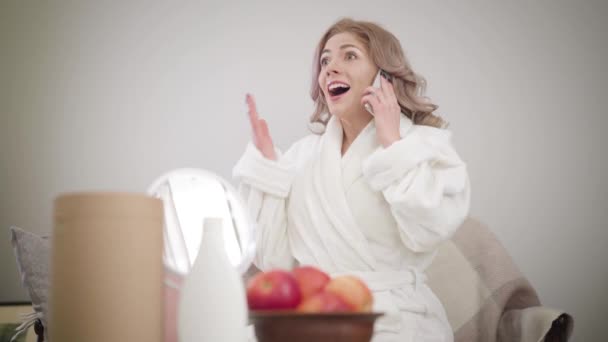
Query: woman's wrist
x=389, y=140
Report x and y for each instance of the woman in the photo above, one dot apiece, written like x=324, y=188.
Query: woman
x=373, y=195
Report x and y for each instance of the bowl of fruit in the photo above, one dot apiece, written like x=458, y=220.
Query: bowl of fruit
x=306, y=304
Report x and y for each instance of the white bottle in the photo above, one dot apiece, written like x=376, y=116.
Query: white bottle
x=213, y=305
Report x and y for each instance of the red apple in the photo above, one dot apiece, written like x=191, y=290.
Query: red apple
x=353, y=291
x=325, y=302
x=275, y=289
x=310, y=279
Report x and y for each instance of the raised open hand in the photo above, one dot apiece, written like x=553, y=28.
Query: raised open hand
x=261, y=134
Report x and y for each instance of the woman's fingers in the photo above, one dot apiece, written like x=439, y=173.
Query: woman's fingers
x=385, y=95
x=261, y=133
x=264, y=134
x=388, y=90
x=254, y=119
x=251, y=105
x=266, y=144
x=378, y=93
x=372, y=100
x=252, y=113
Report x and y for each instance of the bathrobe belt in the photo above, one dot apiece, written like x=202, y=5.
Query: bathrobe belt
x=394, y=287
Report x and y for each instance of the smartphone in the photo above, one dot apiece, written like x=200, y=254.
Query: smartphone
x=377, y=84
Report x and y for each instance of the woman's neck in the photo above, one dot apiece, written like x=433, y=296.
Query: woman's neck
x=351, y=127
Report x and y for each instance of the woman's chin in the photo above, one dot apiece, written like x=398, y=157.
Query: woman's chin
x=343, y=112
x=335, y=113
x=338, y=110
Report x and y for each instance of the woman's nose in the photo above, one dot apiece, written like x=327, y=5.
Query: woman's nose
x=331, y=71
x=332, y=68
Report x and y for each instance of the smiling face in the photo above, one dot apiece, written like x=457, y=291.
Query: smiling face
x=346, y=70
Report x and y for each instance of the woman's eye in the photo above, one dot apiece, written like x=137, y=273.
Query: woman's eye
x=351, y=55
x=324, y=61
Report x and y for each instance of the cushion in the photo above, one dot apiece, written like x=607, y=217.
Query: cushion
x=33, y=260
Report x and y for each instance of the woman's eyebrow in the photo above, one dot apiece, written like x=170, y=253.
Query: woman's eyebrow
x=342, y=47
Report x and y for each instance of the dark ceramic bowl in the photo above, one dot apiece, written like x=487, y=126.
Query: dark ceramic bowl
x=282, y=326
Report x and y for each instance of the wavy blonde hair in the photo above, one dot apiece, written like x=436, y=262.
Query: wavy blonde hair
x=386, y=52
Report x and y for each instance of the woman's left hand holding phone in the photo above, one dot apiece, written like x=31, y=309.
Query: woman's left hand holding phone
x=387, y=112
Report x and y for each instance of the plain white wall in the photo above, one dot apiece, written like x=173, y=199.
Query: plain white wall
x=99, y=96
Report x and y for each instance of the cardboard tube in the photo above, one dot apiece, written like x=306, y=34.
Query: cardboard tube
x=106, y=268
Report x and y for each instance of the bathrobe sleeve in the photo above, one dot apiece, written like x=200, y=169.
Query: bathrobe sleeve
x=425, y=183
x=264, y=186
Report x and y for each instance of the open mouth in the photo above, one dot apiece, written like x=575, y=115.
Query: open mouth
x=337, y=88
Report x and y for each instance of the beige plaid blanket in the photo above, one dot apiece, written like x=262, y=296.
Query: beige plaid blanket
x=485, y=295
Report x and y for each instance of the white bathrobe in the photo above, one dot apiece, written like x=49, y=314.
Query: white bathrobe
x=378, y=213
